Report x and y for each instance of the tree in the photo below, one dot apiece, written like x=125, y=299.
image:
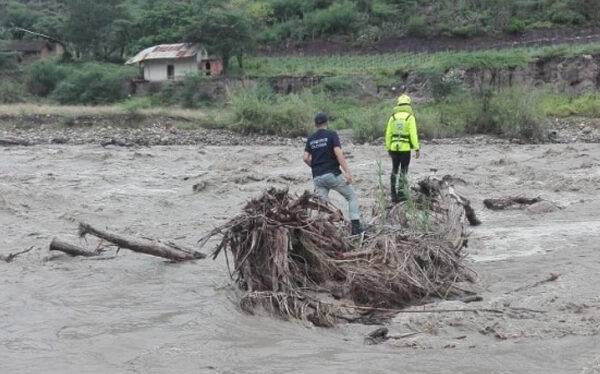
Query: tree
x=163, y=22
x=224, y=32
x=90, y=26
x=18, y=15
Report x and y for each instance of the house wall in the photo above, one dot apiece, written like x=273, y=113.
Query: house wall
x=156, y=70
x=52, y=50
x=216, y=67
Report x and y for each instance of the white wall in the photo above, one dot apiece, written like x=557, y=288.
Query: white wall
x=156, y=70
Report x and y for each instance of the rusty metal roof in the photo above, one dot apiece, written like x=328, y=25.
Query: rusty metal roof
x=167, y=51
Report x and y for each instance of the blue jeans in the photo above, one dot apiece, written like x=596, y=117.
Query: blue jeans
x=326, y=182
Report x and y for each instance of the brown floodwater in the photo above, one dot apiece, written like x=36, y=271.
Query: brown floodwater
x=140, y=314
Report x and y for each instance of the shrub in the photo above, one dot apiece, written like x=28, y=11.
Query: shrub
x=290, y=115
x=133, y=105
x=416, y=27
x=443, y=86
x=284, y=10
x=11, y=92
x=94, y=84
x=511, y=113
x=337, y=86
x=340, y=18
x=515, y=26
x=368, y=124
x=43, y=76
x=561, y=13
x=189, y=93
x=261, y=13
x=465, y=31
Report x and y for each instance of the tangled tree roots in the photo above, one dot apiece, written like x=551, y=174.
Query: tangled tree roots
x=294, y=255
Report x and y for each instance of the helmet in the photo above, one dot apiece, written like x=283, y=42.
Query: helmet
x=404, y=100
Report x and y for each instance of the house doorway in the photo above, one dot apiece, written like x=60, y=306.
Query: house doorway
x=170, y=71
x=207, y=68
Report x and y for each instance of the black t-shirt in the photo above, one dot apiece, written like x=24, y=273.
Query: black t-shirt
x=320, y=146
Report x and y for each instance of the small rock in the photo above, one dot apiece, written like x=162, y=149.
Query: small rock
x=200, y=186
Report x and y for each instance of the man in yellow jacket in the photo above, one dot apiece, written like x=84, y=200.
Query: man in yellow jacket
x=400, y=138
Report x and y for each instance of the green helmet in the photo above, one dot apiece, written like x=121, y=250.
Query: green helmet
x=403, y=100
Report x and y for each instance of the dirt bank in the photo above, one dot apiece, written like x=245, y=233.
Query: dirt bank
x=140, y=314
x=127, y=131
x=124, y=130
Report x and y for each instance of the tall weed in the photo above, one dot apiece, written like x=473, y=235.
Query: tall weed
x=290, y=115
x=513, y=113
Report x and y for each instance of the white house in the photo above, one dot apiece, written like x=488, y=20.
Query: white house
x=172, y=61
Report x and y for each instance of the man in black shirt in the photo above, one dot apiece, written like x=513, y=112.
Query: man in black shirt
x=323, y=153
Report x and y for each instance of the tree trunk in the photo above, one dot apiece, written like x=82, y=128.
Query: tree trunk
x=226, y=58
x=240, y=60
x=151, y=248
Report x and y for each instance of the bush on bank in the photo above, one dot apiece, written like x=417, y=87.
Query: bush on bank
x=94, y=84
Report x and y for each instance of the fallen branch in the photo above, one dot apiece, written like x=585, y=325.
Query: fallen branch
x=551, y=278
x=412, y=311
x=70, y=249
x=510, y=203
x=13, y=141
x=12, y=256
x=171, y=252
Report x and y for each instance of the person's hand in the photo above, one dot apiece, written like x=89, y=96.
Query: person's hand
x=348, y=177
x=417, y=153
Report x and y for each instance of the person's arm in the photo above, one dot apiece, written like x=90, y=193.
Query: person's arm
x=339, y=155
x=414, y=136
x=307, y=158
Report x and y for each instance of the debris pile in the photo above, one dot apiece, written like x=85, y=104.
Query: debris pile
x=293, y=255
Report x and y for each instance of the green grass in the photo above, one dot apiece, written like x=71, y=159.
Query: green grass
x=391, y=64
x=561, y=105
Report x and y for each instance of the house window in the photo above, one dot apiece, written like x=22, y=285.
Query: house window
x=170, y=71
x=207, y=68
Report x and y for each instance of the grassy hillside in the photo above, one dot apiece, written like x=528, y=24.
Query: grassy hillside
x=114, y=29
x=389, y=64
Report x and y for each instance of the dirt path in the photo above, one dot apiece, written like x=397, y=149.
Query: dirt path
x=139, y=314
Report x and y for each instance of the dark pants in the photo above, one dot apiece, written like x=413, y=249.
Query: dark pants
x=400, y=160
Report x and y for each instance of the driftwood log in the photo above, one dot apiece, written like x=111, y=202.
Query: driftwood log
x=171, y=251
x=510, y=202
x=70, y=249
x=13, y=141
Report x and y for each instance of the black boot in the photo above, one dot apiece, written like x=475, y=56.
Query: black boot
x=401, y=188
x=394, y=191
x=356, y=229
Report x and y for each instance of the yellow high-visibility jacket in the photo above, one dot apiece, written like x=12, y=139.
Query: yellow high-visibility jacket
x=401, y=131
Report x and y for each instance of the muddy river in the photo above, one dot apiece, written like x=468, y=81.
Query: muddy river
x=139, y=314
